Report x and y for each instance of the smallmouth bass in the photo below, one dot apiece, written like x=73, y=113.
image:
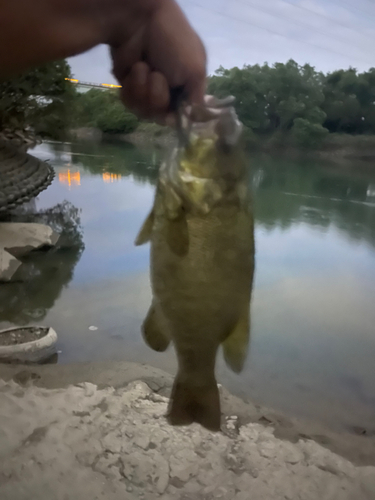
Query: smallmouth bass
x=202, y=262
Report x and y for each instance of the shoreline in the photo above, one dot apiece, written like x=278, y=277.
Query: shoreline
x=357, y=448
x=345, y=148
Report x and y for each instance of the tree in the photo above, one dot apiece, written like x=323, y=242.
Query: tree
x=350, y=101
x=270, y=98
x=39, y=99
x=307, y=134
x=104, y=110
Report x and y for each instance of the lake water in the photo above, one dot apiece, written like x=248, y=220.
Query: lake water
x=313, y=311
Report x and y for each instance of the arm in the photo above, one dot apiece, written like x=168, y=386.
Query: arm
x=152, y=44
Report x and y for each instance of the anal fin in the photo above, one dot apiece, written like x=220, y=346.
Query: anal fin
x=154, y=331
x=235, y=346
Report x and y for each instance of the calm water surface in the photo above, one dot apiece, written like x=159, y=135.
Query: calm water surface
x=313, y=313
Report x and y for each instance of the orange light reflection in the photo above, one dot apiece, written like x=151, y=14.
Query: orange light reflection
x=70, y=178
x=107, y=177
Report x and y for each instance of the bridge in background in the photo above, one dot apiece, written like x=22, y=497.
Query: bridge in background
x=103, y=86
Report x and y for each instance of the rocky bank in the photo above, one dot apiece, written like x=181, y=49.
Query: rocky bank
x=87, y=442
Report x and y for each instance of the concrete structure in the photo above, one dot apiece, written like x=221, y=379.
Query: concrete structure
x=18, y=239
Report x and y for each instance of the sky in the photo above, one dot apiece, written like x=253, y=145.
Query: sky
x=328, y=34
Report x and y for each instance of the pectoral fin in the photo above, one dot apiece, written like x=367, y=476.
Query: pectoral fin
x=154, y=331
x=235, y=347
x=144, y=234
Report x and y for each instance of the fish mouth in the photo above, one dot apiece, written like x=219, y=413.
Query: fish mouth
x=217, y=117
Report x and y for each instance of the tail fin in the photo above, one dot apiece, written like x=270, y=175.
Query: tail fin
x=192, y=403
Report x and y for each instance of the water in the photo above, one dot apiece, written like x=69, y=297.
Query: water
x=313, y=312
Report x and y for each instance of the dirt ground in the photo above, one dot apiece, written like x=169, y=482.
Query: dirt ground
x=98, y=431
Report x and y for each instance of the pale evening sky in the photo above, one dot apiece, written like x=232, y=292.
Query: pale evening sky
x=328, y=34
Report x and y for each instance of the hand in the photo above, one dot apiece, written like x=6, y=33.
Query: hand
x=153, y=46
x=164, y=52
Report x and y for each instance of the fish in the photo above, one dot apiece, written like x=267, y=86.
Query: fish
x=201, y=234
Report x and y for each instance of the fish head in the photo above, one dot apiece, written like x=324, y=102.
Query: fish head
x=215, y=147
x=211, y=166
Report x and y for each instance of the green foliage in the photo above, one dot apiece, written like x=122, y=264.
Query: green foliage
x=250, y=138
x=152, y=129
x=271, y=98
x=40, y=99
x=287, y=102
x=307, y=134
x=103, y=109
x=350, y=101
x=275, y=100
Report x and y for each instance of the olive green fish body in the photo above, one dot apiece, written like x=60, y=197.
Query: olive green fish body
x=202, y=262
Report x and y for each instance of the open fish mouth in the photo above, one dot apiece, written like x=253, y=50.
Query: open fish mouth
x=220, y=112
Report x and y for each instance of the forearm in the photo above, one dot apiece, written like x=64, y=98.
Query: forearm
x=33, y=32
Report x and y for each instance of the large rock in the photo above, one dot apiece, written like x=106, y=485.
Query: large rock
x=19, y=238
x=8, y=265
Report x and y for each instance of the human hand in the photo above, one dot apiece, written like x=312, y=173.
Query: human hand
x=164, y=52
x=154, y=48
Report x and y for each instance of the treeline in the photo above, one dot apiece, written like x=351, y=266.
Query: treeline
x=299, y=100
x=285, y=101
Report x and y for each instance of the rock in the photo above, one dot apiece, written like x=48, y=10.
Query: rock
x=267, y=449
x=112, y=443
x=19, y=238
x=163, y=479
x=292, y=455
x=8, y=265
x=142, y=442
x=368, y=481
x=242, y=495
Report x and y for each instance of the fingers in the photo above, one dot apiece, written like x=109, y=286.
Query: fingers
x=126, y=55
x=146, y=92
x=159, y=93
x=163, y=52
x=196, y=81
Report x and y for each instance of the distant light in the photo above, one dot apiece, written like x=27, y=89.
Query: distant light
x=111, y=85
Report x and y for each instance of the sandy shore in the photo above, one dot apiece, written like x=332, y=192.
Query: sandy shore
x=98, y=431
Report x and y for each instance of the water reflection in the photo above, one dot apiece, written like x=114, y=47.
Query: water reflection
x=74, y=178
x=293, y=193
x=70, y=178
x=121, y=161
x=107, y=177
x=43, y=275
